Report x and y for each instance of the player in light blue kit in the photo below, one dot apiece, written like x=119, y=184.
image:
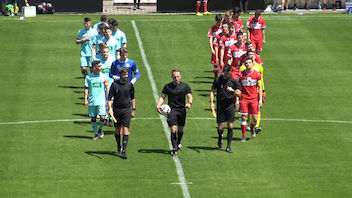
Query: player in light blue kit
x=94, y=97
x=112, y=43
x=98, y=39
x=130, y=65
x=106, y=60
x=118, y=34
x=85, y=37
x=103, y=19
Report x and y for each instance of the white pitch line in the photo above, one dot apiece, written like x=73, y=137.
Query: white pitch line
x=188, y=118
x=179, y=169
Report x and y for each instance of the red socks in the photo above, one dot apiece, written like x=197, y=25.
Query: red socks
x=197, y=6
x=205, y=4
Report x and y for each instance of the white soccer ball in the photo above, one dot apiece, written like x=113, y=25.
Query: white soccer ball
x=165, y=109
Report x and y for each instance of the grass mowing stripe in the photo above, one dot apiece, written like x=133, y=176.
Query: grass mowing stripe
x=189, y=118
x=177, y=161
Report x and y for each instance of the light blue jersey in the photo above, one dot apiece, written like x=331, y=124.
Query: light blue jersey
x=106, y=66
x=113, y=46
x=120, y=37
x=86, y=46
x=96, y=26
x=97, y=40
x=96, y=88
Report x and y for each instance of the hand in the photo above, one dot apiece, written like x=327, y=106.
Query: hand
x=158, y=109
x=237, y=105
x=27, y=4
x=263, y=41
x=212, y=106
x=86, y=103
x=260, y=103
x=229, y=89
x=188, y=105
x=111, y=112
x=264, y=94
x=133, y=112
x=213, y=51
x=86, y=39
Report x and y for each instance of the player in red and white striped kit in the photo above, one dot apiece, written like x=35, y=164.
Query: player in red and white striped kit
x=235, y=19
x=234, y=53
x=250, y=81
x=212, y=33
x=256, y=31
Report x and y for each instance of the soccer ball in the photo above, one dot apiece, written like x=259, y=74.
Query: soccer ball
x=165, y=109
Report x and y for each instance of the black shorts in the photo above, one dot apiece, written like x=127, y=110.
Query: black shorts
x=123, y=117
x=225, y=113
x=177, y=117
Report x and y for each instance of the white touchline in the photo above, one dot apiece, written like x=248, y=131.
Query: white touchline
x=179, y=169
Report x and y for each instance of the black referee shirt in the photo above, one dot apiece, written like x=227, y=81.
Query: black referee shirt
x=122, y=93
x=176, y=94
x=220, y=85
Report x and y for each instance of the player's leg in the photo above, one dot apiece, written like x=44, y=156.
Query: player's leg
x=253, y=109
x=244, y=113
x=102, y=114
x=197, y=8
x=118, y=131
x=221, y=126
x=229, y=136
x=333, y=4
x=295, y=4
x=84, y=66
x=324, y=4
x=306, y=4
x=286, y=6
x=126, y=133
x=205, y=5
x=181, y=121
x=92, y=113
x=258, y=46
x=172, y=122
x=257, y=128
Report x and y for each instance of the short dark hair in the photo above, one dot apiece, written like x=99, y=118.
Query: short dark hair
x=175, y=70
x=87, y=19
x=103, y=18
x=111, y=20
x=239, y=34
x=227, y=67
x=231, y=25
x=218, y=17
x=115, y=23
x=258, y=12
x=95, y=63
x=123, y=50
x=123, y=71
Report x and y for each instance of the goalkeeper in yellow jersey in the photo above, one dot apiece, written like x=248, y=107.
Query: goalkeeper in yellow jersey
x=259, y=68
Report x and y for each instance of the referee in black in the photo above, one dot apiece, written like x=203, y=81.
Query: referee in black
x=121, y=95
x=226, y=89
x=176, y=91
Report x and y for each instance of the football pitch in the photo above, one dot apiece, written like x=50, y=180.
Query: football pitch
x=304, y=149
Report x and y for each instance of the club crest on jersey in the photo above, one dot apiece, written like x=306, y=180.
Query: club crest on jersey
x=127, y=65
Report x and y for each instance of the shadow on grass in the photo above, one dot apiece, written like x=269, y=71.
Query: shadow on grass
x=198, y=148
x=80, y=77
x=205, y=77
x=200, y=82
x=161, y=151
x=71, y=87
x=79, y=92
x=97, y=153
x=81, y=114
x=234, y=138
x=79, y=103
x=78, y=136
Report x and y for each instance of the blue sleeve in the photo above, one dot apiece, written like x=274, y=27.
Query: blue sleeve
x=136, y=71
x=112, y=70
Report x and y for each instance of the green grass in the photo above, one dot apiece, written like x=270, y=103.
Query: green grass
x=307, y=76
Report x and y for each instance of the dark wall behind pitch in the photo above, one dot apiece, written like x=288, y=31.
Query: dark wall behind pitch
x=70, y=5
x=213, y=5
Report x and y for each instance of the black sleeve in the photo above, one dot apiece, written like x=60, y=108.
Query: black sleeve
x=132, y=91
x=111, y=91
x=236, y=84
x=187, y=89
x=165, y=90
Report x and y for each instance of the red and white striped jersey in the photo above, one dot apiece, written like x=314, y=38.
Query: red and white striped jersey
x=249, y=83
x=255, y=27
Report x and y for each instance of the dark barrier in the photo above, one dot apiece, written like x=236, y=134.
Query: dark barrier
x=213, y=5
x=70, y=5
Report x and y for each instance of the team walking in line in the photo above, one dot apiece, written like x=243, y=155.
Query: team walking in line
x=238, y=79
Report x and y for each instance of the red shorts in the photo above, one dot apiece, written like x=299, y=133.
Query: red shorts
x=250, y=107
x=257, y=45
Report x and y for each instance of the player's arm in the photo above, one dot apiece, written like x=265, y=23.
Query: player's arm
x=260, y=90
x=80, y=40
x=211, y=97
x=211, y=45
x=160, y=102
x=248, y=35
x=93, y=51
x=190, y=100
x=110, y=100
x=263, y=36
x=136, y=73
x=86, y=96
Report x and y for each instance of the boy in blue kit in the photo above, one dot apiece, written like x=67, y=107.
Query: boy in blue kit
x=94, y=97
x=124, y=62
x=85, y=37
